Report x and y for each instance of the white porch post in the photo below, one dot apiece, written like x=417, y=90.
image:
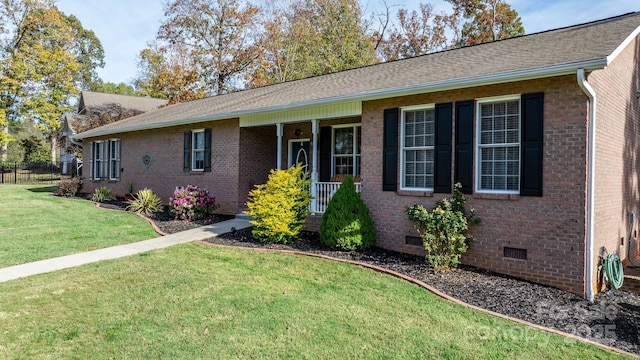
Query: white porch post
x=314, y=163
x=279, y=151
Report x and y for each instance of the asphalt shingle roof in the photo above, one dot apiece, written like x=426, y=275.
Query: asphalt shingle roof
x=565, y=49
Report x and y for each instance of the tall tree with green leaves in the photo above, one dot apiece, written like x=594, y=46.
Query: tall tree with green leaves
x=45, y=57
x=219, y=37
x=313, y=37
x=486, y=20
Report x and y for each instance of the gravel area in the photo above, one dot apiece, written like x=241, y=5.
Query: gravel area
x=612, y=319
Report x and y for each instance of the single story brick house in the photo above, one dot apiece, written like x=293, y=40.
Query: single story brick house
x=542, y=131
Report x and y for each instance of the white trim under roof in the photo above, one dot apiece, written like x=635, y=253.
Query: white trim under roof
x=460, y=83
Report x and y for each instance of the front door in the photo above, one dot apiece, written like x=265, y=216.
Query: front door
x=299, y=152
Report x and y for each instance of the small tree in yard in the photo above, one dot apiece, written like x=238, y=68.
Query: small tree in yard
x=444, y=229
x=346, y=224
x=280, y=207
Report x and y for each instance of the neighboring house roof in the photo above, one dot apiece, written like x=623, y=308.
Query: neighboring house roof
x=552, y=53
x=92, y=102
x=90, y=99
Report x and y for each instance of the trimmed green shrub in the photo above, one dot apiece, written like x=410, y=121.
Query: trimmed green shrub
x=346, y=224
x=69, y=187
x=145, y=202
x=280, y=207
x=102, y=194
x=444, y=229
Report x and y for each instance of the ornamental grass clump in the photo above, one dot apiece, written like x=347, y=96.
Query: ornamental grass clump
x=444, y=229
x=347, y=224
x=145, y=202
x=102, y=194
x=280, y=207
x=192, y=203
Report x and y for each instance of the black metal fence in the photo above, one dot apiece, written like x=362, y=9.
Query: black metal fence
x=30, y=173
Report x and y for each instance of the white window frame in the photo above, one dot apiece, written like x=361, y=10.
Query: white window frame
x=101, y=162
x=195, y=150
x=479, y=146
x=357, y=157
x=98, y=163
x=114, y=161
x=403, y=149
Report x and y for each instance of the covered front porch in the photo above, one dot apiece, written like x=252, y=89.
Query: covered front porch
x=329, y=145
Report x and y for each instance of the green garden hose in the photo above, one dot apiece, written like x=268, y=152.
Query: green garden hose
x=613, y=268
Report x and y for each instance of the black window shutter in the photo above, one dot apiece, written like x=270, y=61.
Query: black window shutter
x=187, y=152
x=442, y=158
x=207, y=150
x=464, y=145
x=532, y=133
x=325, y=153
x=390, y=151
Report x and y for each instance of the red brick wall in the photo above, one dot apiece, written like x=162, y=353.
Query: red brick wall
x=617, y=193
x=166, y=172
x=257, y=158
x=551, y=228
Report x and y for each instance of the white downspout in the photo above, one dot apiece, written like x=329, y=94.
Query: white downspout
x=591, y=178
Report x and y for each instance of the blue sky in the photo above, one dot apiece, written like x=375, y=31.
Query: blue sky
x=126, y=26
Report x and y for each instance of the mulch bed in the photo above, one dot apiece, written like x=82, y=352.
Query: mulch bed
x=612, y=319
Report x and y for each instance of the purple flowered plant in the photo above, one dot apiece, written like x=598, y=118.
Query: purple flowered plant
x=192, y=203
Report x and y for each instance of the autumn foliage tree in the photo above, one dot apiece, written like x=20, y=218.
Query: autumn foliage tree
x=417, y=33
x=45, y=56
x=486, y=20
x=310, y=38
x=169, y=72
x=218, y=35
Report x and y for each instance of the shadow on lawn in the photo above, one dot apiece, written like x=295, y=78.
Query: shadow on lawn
x=45, y=189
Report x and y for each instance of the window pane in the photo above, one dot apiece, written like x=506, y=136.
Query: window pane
x=343, y=165
x=418, y=142
x=499, y=165
x=198, y=140
x=343, y=138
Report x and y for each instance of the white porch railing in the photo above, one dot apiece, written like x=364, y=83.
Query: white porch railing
x=323, y=192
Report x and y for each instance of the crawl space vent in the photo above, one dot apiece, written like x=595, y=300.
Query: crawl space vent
x=513, y=253
x=413, y=240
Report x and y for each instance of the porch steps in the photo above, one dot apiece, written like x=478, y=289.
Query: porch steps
x=631, y=280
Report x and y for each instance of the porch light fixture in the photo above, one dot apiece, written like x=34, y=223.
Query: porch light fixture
x=297, y=132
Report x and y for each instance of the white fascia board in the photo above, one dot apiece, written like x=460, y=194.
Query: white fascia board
x=623, y=45
x=490, y=79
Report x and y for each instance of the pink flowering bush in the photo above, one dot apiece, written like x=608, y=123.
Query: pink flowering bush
x=192, y=203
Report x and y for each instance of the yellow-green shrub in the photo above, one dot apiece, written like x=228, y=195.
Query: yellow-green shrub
x=280, y=207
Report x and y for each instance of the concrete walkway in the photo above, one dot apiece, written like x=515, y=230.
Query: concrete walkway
x=64, y=262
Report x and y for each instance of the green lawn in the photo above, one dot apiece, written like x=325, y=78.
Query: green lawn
x=198, y=301
x=35, y=225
